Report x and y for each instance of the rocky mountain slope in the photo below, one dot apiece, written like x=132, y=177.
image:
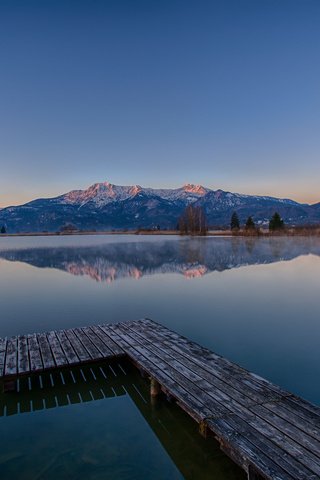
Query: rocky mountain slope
x=104, y=206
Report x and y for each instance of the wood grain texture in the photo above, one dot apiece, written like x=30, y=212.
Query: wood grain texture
x=265, y=429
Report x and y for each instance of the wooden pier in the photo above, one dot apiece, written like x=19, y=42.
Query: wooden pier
x=270, y=433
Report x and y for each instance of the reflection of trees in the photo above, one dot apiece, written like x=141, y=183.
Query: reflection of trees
x=277, y=247
x=250, y=243
x=235, y=246
x=193, y=251
x=191, y=257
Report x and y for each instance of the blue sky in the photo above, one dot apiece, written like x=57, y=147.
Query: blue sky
x=159, y=93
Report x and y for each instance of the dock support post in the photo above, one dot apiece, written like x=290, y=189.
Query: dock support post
x=203, y=429
x=170, y=398
x=155, y=388
x=142, y=373
x=253, y=475
x=9, y=386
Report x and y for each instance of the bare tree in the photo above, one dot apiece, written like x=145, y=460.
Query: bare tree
x=193, y=221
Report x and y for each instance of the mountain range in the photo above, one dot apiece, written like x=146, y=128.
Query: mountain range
x=104, y=206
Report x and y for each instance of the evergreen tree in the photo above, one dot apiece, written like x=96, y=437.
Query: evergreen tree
x=235, y=224
x=250, y=225
x=3, y=229
x=276, y=222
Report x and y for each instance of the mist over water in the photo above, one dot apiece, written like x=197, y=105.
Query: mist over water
x=254, y=301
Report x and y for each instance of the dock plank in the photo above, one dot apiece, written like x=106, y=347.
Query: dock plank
x=102, y=332
x=98, y=343
x=34, y=353
x=176, y=376
x=288, y=429
x=68, y=350
x=235, y=407
x=250, y=453
x=77, y=346
x=276, y=453
x=11, y=359
x=222, y=367
x=187, y=374
x=45, y=350
x=227, y=384
x=92, y=350
x=23, y=355
x=189, y=402
x=3, y=347
x=56, y=349
x=262, y=427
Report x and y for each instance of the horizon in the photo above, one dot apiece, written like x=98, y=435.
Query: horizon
x=159, y=94
x=181, y=185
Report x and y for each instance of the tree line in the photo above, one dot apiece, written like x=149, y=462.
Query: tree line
x=193, y=221
x=275, y=223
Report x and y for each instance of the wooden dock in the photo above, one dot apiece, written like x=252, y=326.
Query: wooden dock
x=270, y=433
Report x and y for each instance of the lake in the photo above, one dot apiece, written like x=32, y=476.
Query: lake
x=255, y=301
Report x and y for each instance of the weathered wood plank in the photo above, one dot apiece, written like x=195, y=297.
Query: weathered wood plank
x=67, y=348
x=292, y=416
x=280, y=409
x=98, y=343
x=293, y=448
x=284, y=440
x=11, y=359
x=246, y=453
x=225, y=383
x=102, y=332
x=210, y=391
x=291, y=431
x=88, y=345
x=23, y=355
x=77, y=346
x=34, y=353
x=3, y=346
x=262, y=427
x=176, y=375
x=301, y=405
x=209, y=360
x=270, y=449
x=207, y=381
x=58, y=354
x=299, y=410
x=204, y=355
x=47, y=358
x=191, y=404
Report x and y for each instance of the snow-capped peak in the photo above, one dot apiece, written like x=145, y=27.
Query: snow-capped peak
x=101, y=194
x=197, y=189
x=135, y=189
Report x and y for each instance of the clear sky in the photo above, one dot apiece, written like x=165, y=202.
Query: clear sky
x=159, y=93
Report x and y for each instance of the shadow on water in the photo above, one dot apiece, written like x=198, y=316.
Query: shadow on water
x=103, y=385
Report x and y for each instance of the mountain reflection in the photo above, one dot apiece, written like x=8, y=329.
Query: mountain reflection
x=192, y=258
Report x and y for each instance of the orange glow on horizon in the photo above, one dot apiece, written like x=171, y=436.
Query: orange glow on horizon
x=299, y=195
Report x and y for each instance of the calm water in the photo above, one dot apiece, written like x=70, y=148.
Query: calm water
x=255, y=301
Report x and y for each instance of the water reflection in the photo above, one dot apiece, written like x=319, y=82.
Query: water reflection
x=264, y=317
x=192, y=456
x=192, y=258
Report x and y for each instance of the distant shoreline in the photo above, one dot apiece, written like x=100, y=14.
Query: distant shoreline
x=213, y=233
